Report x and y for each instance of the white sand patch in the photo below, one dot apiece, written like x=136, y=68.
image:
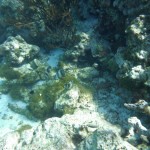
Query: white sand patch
x=9, y=120
x=54, y=57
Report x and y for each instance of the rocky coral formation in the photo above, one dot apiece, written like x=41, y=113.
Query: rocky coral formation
x=16, y=51
x=141, y=106
x=104, y=139
x=18, y=63
x=129, y=37
x=35, y=20
x=72, y=129
x=23, y=66
x=68, y=102
x=136, y=65
x=94, y=35
x=142, y=132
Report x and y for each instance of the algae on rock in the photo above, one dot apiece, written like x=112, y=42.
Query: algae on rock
x=43, y=101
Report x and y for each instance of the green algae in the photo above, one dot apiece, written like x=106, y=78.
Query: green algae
x=41, y=103
x=8, y=72
x=23, y=128
x=4, y=87
x=68, y=110
x=16, y=91
x=28, y=78
x=22, y=111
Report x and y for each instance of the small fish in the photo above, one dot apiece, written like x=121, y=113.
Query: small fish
x=31, y=92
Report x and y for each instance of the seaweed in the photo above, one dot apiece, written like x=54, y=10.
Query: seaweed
x=16, y=91
x=8, y=72
x=41, y=103
x=23, y=128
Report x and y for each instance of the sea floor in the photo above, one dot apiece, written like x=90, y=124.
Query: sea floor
x=109, y=97
x=10, y=120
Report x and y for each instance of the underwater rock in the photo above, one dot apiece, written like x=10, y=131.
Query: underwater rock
x=24, y=74
x=137, y=131
x=16, y=51
x=21, y=61
x=135, y=125
x=80, y=48
x=136, y=76
x=68, y=101
x=131, y=33
x=70, y=131
x=141, y=106
x=10, y=141
x=104, y=140
x=138, y=34
x=88, y=73
x=27, y=74
x=133, y=60
x=43, y=22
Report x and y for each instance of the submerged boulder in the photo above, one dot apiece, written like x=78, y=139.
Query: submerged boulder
x=82, y=130
x=17, y=51
x=88, y=73
x=132, y=62
x=20, y=61
x=104, y=139
x=68, y=102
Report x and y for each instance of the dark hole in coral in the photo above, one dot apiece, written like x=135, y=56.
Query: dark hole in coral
x=87, y=59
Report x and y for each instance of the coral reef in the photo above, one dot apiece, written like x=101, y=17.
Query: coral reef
x=68, y=102
x=18, y=58
x=57, y=98
x=23, y=69
x=79, y=67
x=35, y=20
x=16, y=51
x=141, y=106
x=137, y=132
x=90, y=132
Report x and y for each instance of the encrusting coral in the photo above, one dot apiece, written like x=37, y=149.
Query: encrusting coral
x=141, y=106
x=137, y=131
